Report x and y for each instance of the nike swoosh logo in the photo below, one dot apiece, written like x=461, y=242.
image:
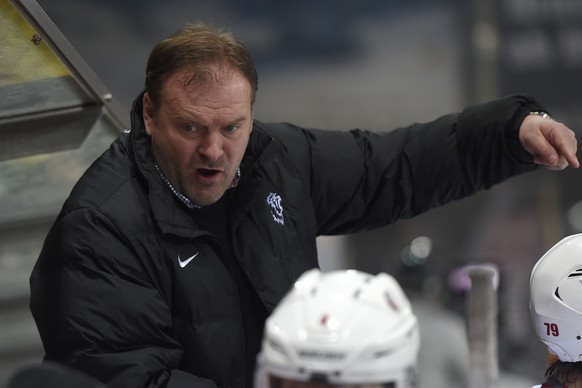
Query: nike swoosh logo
x=185, y=262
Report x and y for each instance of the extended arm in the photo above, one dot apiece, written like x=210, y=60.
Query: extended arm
x=360, y=180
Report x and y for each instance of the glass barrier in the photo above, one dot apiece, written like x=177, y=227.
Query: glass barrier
x=55, y=119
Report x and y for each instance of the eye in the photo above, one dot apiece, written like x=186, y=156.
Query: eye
x=232, y=127
x=191, y=128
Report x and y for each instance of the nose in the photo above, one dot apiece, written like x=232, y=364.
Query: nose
x=210, y=146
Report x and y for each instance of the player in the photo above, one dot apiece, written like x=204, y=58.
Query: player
x=556, y=310
x=343, y=327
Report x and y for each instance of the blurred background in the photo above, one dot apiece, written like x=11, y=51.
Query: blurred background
x=371, y=64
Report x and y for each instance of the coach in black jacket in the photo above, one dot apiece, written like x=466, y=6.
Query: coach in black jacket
x=177, y=243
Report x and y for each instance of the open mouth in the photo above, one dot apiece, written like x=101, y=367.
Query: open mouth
x=208, y=172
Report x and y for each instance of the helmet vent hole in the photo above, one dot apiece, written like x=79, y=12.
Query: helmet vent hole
x=382, y=353
x=576, y=273
x=557, y=293
x=391, y=302
x=578, y=337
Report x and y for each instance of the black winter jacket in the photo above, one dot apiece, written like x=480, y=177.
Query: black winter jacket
x=110, y=297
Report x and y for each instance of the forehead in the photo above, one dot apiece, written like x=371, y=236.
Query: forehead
x=225, y=84
x=196, y=77
x=217, y=97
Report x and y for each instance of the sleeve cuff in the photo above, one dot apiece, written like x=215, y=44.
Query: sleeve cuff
x=528, y=106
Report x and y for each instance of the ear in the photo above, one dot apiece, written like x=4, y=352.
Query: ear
x=148, y=114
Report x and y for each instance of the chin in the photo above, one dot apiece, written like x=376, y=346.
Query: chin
x=207, y=200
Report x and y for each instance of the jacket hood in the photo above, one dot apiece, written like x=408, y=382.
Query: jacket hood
x=140, y=140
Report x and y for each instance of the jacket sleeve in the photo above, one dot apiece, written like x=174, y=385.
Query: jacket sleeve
x=97, y=311
x=361, y=180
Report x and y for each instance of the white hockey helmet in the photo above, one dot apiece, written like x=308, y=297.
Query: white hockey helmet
x=343, y=327
x=556, y=299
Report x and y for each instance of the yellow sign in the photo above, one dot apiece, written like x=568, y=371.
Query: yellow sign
x=24, y=55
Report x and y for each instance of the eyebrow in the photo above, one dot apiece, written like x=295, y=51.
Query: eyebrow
x=239, y=120
x=192, y=119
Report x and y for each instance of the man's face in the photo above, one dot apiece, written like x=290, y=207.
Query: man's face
x=200, y=131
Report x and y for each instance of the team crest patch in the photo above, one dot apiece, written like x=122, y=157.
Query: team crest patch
x=275, y=203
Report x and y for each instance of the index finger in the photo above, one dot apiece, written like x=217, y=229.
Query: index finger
x=563, y=139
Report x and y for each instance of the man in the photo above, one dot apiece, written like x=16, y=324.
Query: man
x=341, y=328
x=177, y=243
x=556, y=310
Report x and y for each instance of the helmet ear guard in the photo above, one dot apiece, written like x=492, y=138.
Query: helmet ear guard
x=342, y=327
x=555, y=299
